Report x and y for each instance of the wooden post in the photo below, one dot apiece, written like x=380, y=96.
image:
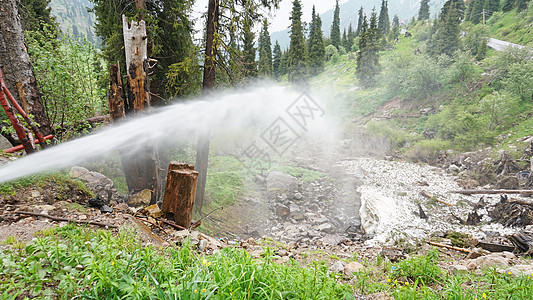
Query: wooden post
x=180, y=193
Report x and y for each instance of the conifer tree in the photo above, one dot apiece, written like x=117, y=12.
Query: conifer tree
x=509, y=5
x=351, y=36
x=491, y=6
x=336, y=27
x=316, y=46
x=360, y=18
x=446, y=37
x=395, y=31
x=248, y=49
x=368, y=67
x=476, y=14
x=284, y=66
x=297, y=49
x=276, y=61
x=265, y=52
x=34, y=14
x=344, y=39
x=521, y=5
x=423, y=12
x=384, y=21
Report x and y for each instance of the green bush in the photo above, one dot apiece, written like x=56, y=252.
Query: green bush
x=396, y=136
x=422, y=269
x=427, y=150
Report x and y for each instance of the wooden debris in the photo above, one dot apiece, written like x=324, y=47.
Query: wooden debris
x=59, y=219
x=421, y=212
x=495, y=247
x=523, y=242
x=473, y=218
x=425, y=194
x=464, y=250
x=474, y=192
x=180, y=192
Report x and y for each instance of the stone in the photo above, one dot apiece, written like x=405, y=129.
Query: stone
x=321, y=220
x=453, y=169
x=326, y=227
x=153, y=211
x=106, y=209
x=338, y=266
x=392, y=254
x=43, y=209
x=352, y=267
x=35, y=194
x=519, y=270
x=298, y=196
x=299, y=216
x=282, y=210
x=500, y=260
x=279, y=181
x=283, y=252
x=4, y=143
x=98, y=183
x=458, y=269
x=331, y=240
x=141, y=198
x=477, y=252
x=294, y=208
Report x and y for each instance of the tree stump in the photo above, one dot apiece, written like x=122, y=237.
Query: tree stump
x=180, y=193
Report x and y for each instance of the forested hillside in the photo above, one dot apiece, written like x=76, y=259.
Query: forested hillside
x=73, y=17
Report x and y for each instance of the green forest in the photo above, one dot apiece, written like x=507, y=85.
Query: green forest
x=452, y=79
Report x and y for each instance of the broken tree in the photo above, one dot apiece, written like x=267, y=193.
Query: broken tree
x=140, y=164
x=15, y=62
x=180, y=192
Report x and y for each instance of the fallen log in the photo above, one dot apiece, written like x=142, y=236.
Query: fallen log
x=523, y=242
x=495, y=247
x=425, y=194
x=60, y=219
x=521, y=201
x=464, y=250
x=474, y=192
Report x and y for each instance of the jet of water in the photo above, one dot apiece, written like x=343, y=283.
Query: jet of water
x=227, y=112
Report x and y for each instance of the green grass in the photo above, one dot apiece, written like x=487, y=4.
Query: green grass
x=61, y=181
x=78, y=262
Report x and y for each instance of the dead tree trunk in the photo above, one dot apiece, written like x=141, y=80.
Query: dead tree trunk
x=202, y=153
x=115, y=95
x=140, y=166
x=180, y=193
x=15, y=63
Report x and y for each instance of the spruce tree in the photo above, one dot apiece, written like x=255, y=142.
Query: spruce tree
x=248, y=49
x=284, y=66
x=423, y=12
x=344, y=39
x=336, y=27
x=368, y=67
x=34, y=14
x=384, y=21
x=360, y=18
x=351, y=36
x=521, y=5
x=395, y=31
x=491, y=6
x=476, y=15
x=509, y=5
x=316, y=46
x=446, y=38
x=265, y=52
x=297, y=49
x=276, y=61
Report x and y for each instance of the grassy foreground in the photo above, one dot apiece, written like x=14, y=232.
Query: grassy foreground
x=77, y=262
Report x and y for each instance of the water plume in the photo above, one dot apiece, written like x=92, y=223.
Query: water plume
x=224, y=112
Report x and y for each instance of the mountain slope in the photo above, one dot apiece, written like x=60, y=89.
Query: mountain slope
x=73, y=17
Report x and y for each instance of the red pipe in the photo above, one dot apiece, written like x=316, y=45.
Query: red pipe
x=21, y=147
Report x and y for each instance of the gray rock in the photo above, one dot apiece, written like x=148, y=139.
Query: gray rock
x=299, y=216
x=338, y=266
x=279, y=181
x=98, y=183
x=326, y=227
x=141, y=198
x=458, y=269
x=352, y=267
x=500, y=260
x=294, y=208
x=519, y=270
x=298, y=196
x=4, y=143
x=453, y=169
x=282, y=210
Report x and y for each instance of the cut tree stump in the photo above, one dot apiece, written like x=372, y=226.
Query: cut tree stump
x=180, y=192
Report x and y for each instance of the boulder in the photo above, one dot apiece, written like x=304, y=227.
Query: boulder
x=352, y=267
x=519, y=270
x=282, y=210
x=279, y=181
x=98, y=183
x=141, y=198
x=338, y=266
x=500, y=260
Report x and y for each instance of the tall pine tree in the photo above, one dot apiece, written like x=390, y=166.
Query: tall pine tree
x=336, y=27
x=384, y=21
x=297, y=49
x=248, y=49
x=368, y=67
x=509, y=5
x=265, y=52
x=350, y=36
x=395, y=31
x=34, y=14
x=521, y=5
x=477, y=11
x=491, y=6
x=360, y=18
x=446, y=37
x=423, y=12
x=316, y=46
x=276, y=61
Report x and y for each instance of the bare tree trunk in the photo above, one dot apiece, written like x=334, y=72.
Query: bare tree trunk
x=15, y=62
x=140, y=167
x=202, y=154
x=180, y=193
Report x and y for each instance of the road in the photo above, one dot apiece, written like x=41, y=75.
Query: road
x=500, y=45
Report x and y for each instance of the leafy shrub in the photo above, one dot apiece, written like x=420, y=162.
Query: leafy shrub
x=66, y=70
x=427, y=150
x=331, y=51
x=519, y=80
x=499, y=109
x=476, y=41
x=397, y=137
x=462, y=69
x=342, y=50
x=422, y=268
